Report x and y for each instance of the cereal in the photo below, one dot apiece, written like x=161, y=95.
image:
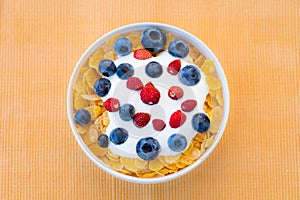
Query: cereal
x=208, y=67
x=214, y=125
x=79, y=102
x=213, y=83
x=129, y=164
x=91, y=97
x=141, y=164
x=200, y=60
x=97, y=150
x=172, y=159
x=134, y=37
x=109, y=45
x=209, y=141
x=83, y=69
x=93, y=134
x=155, y=165
x=219, y=98
x=193, y=53
x=90, y=77
x=92, y=109
x=96, y=58
x=194, y=154
x=82, y=129
x=78, y=85
x=185, y=160
x=217, y=112
x=148, y=175
x=109, y=55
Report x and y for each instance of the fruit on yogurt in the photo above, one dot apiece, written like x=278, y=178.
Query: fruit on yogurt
x=102, y=87
x=122, y=46
x=177, y=142
x=153, y=39
x=134, y=83
x=142, y=54
x=158, y=124
x=141, y=119
x=154, y=69
x=188, y=105
x=118, y=136
x=189, y=75
x=107, y=67
x=126, y=112
x=125, y=71
x=177, y=119
x=175, y=92
x=148, y=148
x=201, y=122
x=149, y=94
x=174, y=67
x=112, y=104
x=82, y=117
x=102, y=140
x=178, y=48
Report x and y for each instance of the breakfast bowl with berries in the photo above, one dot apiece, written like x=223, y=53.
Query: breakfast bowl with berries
x=148, y=102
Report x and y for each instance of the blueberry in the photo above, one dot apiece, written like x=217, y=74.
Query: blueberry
x=147, y=148
x=177, y=142
x=107, y=67
x=102, y=87
x=178, y=48
x=126, y=112
x=189, y=75
x=122, y=46
x=153, y=39
x=125, y=71
x=82, y=117
x=118, y=136
x=154, y=69
x=103, y=140
x=200, y=122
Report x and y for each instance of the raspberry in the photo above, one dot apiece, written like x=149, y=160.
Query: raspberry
x=177, y=119
x=149, y=94
x=188, y=105
x=134, y=83
x=141, y=119
x=158, y=124
x=112, y=104
x=174, y=67
x=175, y=92
x=142, y=54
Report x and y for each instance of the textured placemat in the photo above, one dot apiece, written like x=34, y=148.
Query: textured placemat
x=257, y=43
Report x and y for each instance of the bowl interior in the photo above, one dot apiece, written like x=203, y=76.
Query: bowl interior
x=180, y=34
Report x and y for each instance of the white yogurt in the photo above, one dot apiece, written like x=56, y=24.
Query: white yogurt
x=163, y=110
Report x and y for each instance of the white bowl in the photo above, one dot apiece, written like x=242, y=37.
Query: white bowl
x=182, y=34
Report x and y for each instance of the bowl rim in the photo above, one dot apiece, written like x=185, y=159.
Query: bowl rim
x=203, y=49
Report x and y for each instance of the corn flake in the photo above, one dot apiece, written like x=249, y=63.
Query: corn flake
x=213, y=83
x=96, y=58
x=155, y=165
x=208, y=67
x=200, y=60
x=219, y=98
x=97, y=150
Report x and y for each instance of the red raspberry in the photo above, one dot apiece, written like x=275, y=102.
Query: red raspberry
x=177, y=119
x=158, y=124
x=142, y=54
x=174, y=67
x=149, y=94
x=112, y=104
x=134, y=83
x=141, y=119
x=175, y=92
x=188, y=105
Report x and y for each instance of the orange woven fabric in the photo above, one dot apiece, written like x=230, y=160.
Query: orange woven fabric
x=258, y=45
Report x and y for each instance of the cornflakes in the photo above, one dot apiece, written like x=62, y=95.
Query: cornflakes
x=213, y=83
x=155, y=165
x=96, y=58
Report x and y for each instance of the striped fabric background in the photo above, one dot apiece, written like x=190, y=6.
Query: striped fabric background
x=258, y=45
